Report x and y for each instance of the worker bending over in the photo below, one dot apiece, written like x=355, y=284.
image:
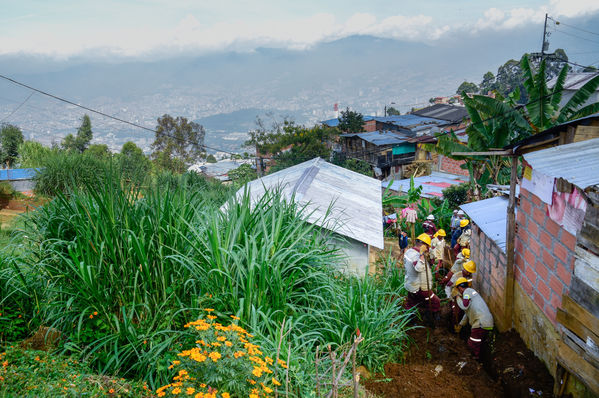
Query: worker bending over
x=468, y=268
x=463, y=256
x=419, y=279
x=463, y=239
x=477, y=313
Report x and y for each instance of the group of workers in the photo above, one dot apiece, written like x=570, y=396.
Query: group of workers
x=427, y=262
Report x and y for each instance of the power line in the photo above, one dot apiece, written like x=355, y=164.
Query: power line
x=573, y=27
x=578, y=37
x=18, y=107
x=104, y=114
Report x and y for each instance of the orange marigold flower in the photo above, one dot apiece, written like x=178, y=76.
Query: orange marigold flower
x=5, y=363
x=111, y=391
x=228, y=343
x=203, y=385
x=252, y=382
x=235, y=317
x=91, y=316
x=176, y=391
x=257, y=371
x=208, y=309
x=37, y=358
x=214, y=356
x=95, y=313
x=221, y=338
x=226, y=395
x=190, y=390
x=275, y=382
x=211, y=317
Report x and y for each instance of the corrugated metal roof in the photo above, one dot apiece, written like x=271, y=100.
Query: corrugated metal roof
x=577, y=163
x=379, y=138
x=491, y=217
x=432, y=185
x=17, y=174
x=408, y=120
x=335, y=122
x=355, y=198
x=574, y=80
x=450, y=113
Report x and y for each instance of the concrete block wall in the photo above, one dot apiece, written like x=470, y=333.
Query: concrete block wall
x=452, y=166
x=489, y=279
x=544, y=255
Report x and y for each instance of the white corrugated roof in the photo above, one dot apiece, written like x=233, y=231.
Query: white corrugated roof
x=432, y=185
x=490, y=215
x=577, y=163
x=355, y=198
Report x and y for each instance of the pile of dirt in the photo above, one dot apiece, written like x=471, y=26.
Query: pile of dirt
x=439, y=364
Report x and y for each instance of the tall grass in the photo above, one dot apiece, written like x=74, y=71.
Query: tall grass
x=121, y=271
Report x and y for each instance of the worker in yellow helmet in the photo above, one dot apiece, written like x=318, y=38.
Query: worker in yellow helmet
x=468, y=268
x=477, y=313
x=463, y=256
x=437, y=251
x=463, y=236
x=419, y=279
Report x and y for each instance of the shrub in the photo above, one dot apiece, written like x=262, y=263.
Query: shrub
x=223, y=363
x=6, y=189
x=456, y=195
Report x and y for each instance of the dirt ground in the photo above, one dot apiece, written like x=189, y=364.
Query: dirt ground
x=440, y=365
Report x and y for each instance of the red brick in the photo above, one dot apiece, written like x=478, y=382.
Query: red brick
x=563, y=274
x=535, y=247
x=541, y=270
x=543, y=289
x=531, y=274
x=539, y=300
x=568, y=240
x=524, y=193
x=548, y=259
x=539, y=217
x=536, y=201
x=525, y=206
x=526, y=285
x=560, y=251
x=545, y=240
x=529, y=256
x=533, y=229
x=552, y=227
x=556, y=301
x=520, y=219
x=556, y=285
x=523, y=236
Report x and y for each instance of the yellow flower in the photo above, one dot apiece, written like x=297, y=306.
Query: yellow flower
x=199, y=395
x=228, y=343
x=221, y=338
x=190, y=390
x=211, y=317
x=214, y=356
x=252, y=382
x=176, y=391
x=208, y=309
x=257, y=371
x=226, y=395
x=236, y=318
x=275, y=382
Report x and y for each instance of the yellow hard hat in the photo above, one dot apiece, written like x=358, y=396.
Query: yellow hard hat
x=441, y=232
x=424, y=238
x=470, y=266
x=466, y=252
x=460, y=281
x=464, y=222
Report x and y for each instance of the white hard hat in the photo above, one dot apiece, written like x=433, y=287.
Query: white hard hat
x=461, y=213
x=430, y=217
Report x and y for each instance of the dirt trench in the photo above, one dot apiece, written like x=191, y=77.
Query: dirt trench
x=439, y=364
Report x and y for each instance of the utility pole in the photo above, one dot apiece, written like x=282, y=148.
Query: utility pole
x=545, y=45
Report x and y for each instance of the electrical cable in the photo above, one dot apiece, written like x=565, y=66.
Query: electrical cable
x=573, y=27
x=18, y=107
x=573, y=35
x=105, y=114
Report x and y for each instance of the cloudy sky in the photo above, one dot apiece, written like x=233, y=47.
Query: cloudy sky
x=141, y=27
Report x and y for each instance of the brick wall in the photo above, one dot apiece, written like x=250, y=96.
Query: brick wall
x=544, y=255
x=452, y=166
x=489, y=279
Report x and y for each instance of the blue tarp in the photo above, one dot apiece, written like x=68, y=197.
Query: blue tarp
x=17, y=174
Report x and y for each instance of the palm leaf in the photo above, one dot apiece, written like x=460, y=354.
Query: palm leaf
x=558, y=87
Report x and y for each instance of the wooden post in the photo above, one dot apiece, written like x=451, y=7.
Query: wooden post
x=508, y=307
x=353, y=370
x=317, y=376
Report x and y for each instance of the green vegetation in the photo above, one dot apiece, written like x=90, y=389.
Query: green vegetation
x=350, y=121
x=37, y=373
x=456, y=195
x=80, y=142
x=119, y=270
x=11, y=137
x=178, y=143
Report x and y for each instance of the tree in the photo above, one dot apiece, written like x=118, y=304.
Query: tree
x=134, y=165
x=11, y=137
x=178, y=143
x=210, y=158
x=351, y=121
x=391, y=111
x=488, y=83
x=242, y=174
x=467, y=87
x=100, y=151
x=84, y=136
x=32, y=154
x=298, y=144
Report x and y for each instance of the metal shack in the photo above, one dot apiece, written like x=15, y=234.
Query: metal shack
x=340, y=200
